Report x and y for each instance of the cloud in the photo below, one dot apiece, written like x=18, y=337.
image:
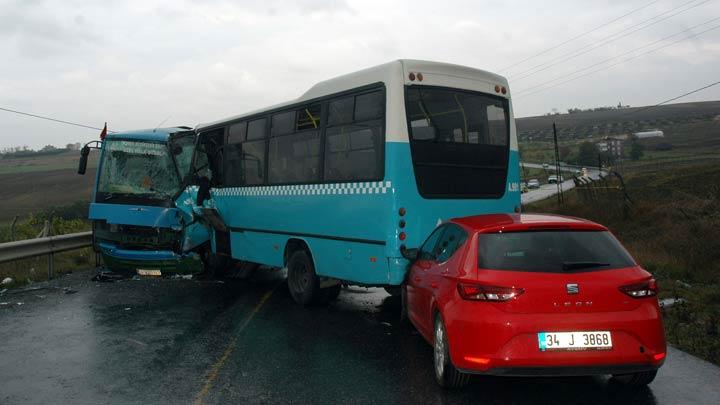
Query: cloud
x=134, y=63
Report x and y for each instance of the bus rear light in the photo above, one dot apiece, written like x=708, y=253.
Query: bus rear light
x=402, y=212
x=411, y=76
x=402, y=236
x=497, y=88
x=478, y=292
x=419, y=77
x=401, y=224
x=503, y=90
x=641, y=290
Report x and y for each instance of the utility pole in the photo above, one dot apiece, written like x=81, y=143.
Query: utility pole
x=557, y=167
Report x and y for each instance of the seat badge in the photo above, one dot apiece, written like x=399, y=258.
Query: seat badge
x=572, y=288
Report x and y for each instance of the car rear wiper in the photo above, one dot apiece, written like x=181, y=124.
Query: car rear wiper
x=567, y=266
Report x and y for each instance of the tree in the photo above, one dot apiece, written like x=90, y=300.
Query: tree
x=587, y=155
x=637, y=150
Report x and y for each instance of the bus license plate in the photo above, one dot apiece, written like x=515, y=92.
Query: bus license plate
x=595, y=340
x=149, y=272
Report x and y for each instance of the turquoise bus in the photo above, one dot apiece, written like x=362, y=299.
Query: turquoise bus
x=336, y=184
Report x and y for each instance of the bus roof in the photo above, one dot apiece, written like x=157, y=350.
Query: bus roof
x=391, y=72
x=150, y=135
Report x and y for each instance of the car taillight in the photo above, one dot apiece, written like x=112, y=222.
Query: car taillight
x=479, y=292
x=641, y=290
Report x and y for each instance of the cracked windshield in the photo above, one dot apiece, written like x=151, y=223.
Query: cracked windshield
x=137, y=168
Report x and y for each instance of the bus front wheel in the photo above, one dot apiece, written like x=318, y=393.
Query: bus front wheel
x=303, y=283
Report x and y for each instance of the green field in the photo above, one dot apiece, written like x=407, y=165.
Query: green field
x=29, y=185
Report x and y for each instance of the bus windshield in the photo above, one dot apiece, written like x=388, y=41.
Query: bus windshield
x=459, y=142
x=137, y=170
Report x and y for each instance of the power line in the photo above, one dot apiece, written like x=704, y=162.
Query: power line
x=577, y=36
x=673, y=99
x=520, y=92
x=51, y=119
x=620, y=62
x=604, y=41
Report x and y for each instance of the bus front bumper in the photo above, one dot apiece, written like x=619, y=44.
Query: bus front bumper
x=136, y=261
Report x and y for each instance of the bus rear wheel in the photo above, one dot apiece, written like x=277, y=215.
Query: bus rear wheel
x=303, y=283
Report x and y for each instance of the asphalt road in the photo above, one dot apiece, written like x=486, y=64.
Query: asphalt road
x=191, y=341
x=549, y=190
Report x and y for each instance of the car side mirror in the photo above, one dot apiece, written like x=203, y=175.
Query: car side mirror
x=410, y=254
x=84, y=153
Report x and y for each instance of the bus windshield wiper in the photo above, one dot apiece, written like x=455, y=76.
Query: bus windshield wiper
x=582, y=265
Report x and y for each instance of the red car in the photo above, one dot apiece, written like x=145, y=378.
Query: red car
x=533, y=295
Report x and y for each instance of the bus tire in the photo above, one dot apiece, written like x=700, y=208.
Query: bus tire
x=330, y=294
x=215, y=265
x=303, y=283
x=403, y=305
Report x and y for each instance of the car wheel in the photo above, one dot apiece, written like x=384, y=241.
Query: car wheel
x=303, y=283
x=636, y=379
x=445, y=373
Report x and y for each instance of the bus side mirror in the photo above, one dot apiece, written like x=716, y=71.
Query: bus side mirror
x=410, y=254
x=84, y=153
x=203, y=190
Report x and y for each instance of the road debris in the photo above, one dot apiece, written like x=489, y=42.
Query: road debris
x=105, y=275
x=69, y=290
x=7, y=281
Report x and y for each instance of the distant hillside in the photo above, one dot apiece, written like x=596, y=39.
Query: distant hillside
x=599, y=123
x=33, y=184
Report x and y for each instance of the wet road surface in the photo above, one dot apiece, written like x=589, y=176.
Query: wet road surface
x=192, y=341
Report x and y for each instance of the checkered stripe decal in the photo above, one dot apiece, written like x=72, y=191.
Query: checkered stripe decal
x=373, y=187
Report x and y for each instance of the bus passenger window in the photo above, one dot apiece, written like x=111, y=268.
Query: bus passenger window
x=354, y=138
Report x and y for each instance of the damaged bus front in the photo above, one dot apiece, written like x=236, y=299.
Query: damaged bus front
x=142, y=206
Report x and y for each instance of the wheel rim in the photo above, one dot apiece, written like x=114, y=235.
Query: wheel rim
x=439, y=349
x=299, y=279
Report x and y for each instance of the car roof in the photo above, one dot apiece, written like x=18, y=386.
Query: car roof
x=492, y=223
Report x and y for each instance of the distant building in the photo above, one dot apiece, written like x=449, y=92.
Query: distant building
x=612, y=145
x=655, y=133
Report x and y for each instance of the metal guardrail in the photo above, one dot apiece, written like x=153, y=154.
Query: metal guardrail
x=44, y=246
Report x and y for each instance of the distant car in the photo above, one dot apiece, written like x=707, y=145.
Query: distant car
x=533, y=183
x=533, y=295
x=553, y=179
x=523, y=187
x=546, y=166
x=578, y=173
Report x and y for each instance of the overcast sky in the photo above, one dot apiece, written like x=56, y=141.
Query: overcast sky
x=136, y=63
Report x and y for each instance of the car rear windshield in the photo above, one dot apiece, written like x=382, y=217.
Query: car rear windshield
x=553, y=251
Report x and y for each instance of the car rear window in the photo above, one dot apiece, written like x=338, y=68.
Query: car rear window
x=553, y=251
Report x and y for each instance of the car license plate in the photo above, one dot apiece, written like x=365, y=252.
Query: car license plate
x=593, y=340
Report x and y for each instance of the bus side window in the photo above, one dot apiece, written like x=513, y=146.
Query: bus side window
x=233, y=168
x=354, y=138
x=294, y=154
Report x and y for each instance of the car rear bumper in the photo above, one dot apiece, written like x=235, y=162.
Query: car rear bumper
x=564, y=371
x=484, y=339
